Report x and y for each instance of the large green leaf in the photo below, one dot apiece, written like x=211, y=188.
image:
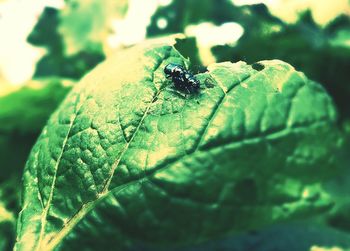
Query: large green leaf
x=127, y=159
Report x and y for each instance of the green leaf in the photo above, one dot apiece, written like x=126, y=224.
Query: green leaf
x=320, y=53
x=56, y=62
x=7, y=234
x=179, y=14
x=276, y=238
x=339, y=186
x=23, y=114
x=86, y=24
x=127, y=159
x=9, y=208
x=27, y=109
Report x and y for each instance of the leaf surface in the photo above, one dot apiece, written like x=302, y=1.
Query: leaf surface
x=128, y=159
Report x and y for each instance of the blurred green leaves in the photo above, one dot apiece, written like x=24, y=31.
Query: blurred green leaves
x=75, y=36
x=179, y=14
x=27, y=109
x=55, y=63
x=23, y=113
x=305, y=45
x=7, y=233
x=297, y=236
x=9, y=208
x=85, y=24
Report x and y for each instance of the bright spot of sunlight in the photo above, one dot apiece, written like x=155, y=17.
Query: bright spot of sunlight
x=162, y=23
x=245, y=2
x=318, y=248
x=305, y=194
x=133, y=27
x=164, y=2
x=17, y=19
x=208, y=34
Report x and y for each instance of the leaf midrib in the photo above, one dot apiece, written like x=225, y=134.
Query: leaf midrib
x=48, y=203
x=105, y=189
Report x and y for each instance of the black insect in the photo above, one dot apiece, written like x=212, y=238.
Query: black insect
x=182, y=78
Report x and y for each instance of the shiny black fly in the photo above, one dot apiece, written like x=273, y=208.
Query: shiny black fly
x=182, y=78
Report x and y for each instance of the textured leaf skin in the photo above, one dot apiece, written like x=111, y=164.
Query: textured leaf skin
x=127, y=160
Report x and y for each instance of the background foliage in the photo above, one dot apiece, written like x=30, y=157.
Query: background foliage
x=76, y=39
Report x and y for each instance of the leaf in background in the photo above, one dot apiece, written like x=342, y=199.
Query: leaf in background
x=86, y=24
x=126, y=160
x=9, y=208
x=342, y=39
x=322, y=11
x=339, y=187
x=304, y=45
x=55, y=62
x=23, y=114
x=179, y=14
x=297, y=236
x=208, y=22
x=188, y=48
x=7, y=234
x=338, y=30
x=27, y=109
